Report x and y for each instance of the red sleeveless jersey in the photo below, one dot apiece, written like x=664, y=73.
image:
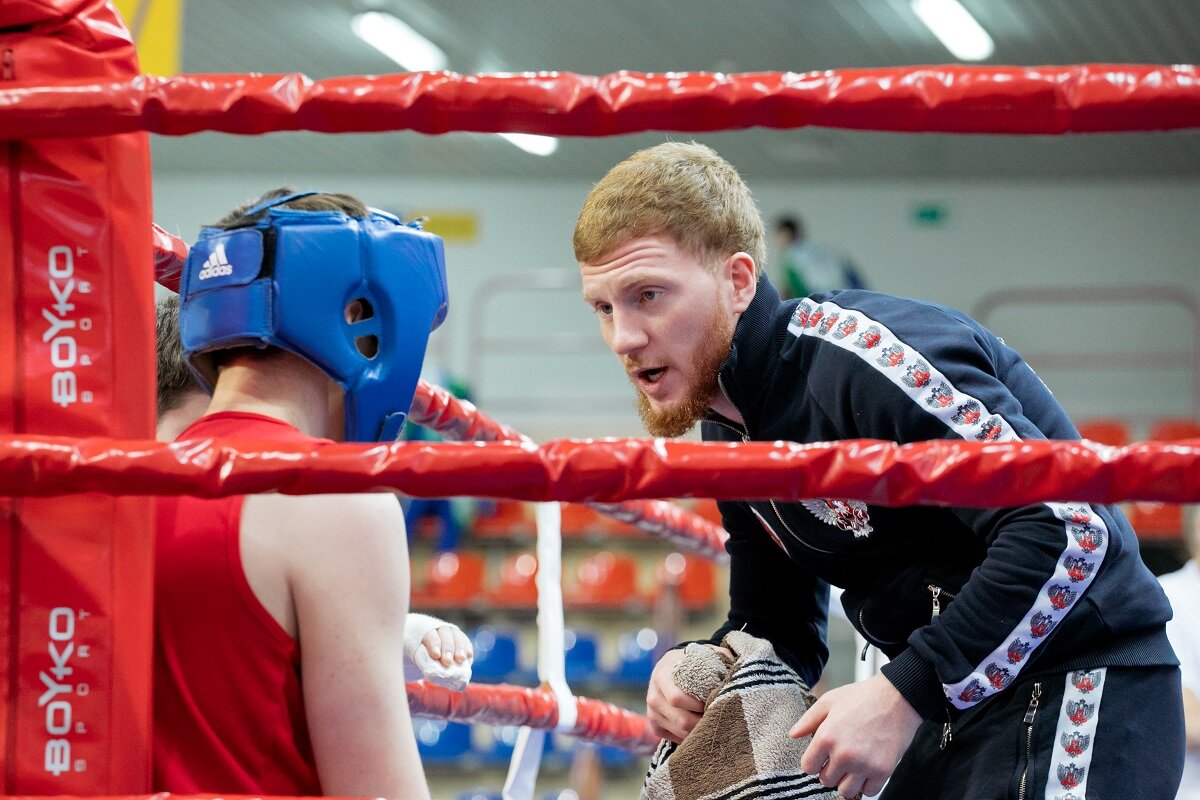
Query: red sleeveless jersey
x=228, y=708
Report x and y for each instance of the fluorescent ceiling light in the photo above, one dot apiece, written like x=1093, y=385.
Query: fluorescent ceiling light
x=956, y=28
x=395, y=39
x=532, y=143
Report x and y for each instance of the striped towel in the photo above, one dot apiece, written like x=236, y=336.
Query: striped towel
x=740, y=748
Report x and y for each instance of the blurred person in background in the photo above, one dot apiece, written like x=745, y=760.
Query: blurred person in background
x=809, y=267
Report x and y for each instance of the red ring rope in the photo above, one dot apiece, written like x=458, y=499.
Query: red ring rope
x=502, y=704
x=950, y=99
x=435, y=408
x=940, y=472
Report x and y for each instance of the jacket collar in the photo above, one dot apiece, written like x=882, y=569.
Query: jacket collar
x=755, y=352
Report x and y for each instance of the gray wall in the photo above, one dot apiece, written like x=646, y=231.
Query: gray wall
x=993, y=236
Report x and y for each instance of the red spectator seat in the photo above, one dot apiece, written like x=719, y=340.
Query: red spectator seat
x=1105, y=431
x=451, y=580
x=507, y=519
x=580, y=520
x=605, y=580
x=1174, y=430
x=517, y=587
x=612, y=527
x=694, y=579
x=1156, y=520
x=707, y=508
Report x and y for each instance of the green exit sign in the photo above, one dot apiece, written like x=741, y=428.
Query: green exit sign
x=930, y=215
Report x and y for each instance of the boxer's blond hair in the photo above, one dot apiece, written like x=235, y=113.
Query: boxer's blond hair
x=681, y=190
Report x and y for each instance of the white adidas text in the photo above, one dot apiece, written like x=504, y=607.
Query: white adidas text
x=216, y=265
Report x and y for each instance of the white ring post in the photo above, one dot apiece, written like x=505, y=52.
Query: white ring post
x=527, y=754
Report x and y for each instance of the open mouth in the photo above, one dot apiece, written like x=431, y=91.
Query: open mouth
x=651, y=375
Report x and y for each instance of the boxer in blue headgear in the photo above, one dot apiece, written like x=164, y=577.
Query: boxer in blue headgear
x=280, y=620
x=355, y=296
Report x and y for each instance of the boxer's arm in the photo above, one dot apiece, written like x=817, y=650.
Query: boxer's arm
x=349, y=575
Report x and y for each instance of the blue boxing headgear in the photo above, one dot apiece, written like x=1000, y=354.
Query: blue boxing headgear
x=287, y=280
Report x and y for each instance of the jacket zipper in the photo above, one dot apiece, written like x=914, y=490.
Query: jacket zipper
x=871, y=639
x=1030, y=713
x=745, y=434
x=796, y=536
x=938, y=593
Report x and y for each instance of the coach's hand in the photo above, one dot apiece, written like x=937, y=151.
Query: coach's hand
x=859, y=733
x=672, y=712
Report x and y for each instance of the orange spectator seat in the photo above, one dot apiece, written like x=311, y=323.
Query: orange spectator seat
x=605, y=580
x=1105, y=431
x=610, y=527
x=1174, y=430
x=517, y=587
x=707, y=508
x=509, y=518
x=580, y=520
x=607, y=527
x=692, y=577
x=451, y=580
x=1156, y=520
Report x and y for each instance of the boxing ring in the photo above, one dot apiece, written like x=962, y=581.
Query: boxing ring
x=79, y=419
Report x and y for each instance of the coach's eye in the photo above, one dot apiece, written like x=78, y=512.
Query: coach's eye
x=603, y=309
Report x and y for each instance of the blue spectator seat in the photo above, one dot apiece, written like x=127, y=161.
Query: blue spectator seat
x=614, y=757
x=478, y=794
x=495, y=655
x=561, y=794
x=505, y=740
x=581, y=661
x=635, y=657
x=441, y=742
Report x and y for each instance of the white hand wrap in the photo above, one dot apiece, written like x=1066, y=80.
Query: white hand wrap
x=419, y=664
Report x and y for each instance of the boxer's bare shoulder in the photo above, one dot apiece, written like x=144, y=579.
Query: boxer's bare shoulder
x=286, y=542
x=337, y=567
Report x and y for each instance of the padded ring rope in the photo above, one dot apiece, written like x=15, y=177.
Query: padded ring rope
x=950, y=99
x=503, y=704
x=940, y=472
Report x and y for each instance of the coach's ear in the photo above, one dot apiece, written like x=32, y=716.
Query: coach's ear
x=739, y=271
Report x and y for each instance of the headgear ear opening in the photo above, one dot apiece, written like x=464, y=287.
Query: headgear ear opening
x=357, y=297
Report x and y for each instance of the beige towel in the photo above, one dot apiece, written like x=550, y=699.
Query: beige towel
x=740, y=748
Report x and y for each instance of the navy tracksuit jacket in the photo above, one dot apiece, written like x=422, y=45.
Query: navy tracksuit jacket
x=966, y=602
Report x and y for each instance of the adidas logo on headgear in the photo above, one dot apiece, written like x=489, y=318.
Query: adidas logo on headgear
x=216, y=265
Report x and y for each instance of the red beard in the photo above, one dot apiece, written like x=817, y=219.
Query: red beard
x=678, y=419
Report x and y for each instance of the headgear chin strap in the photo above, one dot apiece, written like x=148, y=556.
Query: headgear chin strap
x=288, y=281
